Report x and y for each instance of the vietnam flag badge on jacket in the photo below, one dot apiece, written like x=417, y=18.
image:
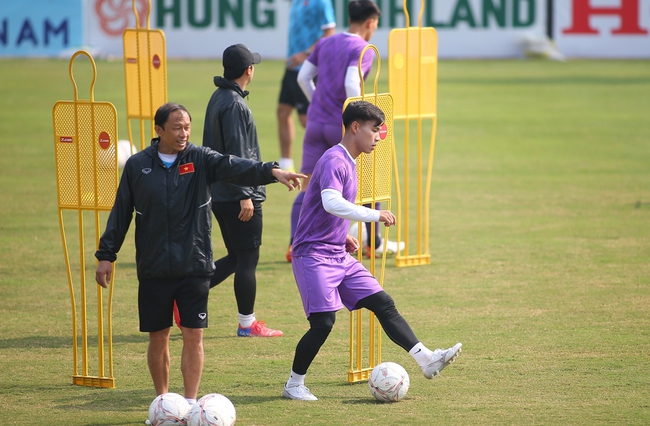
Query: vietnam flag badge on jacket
x=186, y=168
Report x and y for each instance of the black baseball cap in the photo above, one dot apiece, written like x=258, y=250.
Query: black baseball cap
x=236, y=59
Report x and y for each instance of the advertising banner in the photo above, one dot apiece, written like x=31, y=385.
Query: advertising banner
x=603, y=28
x=485, y=28
x=204, y=28
x=39, y=27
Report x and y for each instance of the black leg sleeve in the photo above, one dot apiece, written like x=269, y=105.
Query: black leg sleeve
x=393, y=323
x=320, y=327
x=245, y=280
x=223, y=268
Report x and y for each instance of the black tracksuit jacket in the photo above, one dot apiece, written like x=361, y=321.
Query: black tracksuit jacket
x=172, y=206
x=230, y=129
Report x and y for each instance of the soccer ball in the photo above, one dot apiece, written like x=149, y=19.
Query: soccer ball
x=212, y=410
x=389, y=382
x=168, y=409
x=125, y=149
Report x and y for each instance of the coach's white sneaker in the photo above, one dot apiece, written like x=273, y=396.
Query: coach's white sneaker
x=147, y=422
x=300, y=392
x=440, y=359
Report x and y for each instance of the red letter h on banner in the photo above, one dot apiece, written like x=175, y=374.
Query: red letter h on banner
x=628, y=12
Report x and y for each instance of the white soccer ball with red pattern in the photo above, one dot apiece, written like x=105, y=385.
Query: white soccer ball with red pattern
x=125, y=149
x=168, y=409
x=389, y=382
x=213, y=409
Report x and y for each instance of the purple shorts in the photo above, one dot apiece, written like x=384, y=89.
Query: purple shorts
x=318, y=138
x=327, y=284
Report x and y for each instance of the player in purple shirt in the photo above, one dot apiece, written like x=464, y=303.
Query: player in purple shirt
x=327, y=276
x=335, y=60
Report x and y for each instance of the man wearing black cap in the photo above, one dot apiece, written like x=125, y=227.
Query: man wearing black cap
x=230, y=129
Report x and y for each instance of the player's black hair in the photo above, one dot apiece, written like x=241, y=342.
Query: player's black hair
x=362, y=111
x=360, y=10
x=162, y=114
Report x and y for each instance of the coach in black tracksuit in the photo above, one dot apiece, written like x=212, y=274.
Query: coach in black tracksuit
x=168, y=186
x=230, y=129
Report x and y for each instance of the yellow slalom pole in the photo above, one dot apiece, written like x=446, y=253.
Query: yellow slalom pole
x=374, y=173
x=66, y=255
x=80, y=221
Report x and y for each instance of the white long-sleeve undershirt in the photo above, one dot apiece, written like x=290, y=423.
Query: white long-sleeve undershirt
x=352, y=82
x=334, y=203
x=309, y=71
x=306, y=78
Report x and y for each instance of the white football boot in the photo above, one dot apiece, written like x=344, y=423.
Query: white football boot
x=440, y=359
x=300, y=392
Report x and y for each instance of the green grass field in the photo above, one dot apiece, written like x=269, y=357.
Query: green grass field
x=540, y=243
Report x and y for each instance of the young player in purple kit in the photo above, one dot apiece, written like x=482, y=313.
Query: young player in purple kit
x=327, y=276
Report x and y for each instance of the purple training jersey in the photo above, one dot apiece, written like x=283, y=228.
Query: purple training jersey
x=318, y=232
x=333, y=55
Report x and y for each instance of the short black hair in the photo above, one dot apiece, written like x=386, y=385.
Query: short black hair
x=231, y=74
x=360, y=10
x=362, y=111
x=162, y=114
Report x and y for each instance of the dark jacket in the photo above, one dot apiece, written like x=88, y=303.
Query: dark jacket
x=229, y=128
x=173, y=217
